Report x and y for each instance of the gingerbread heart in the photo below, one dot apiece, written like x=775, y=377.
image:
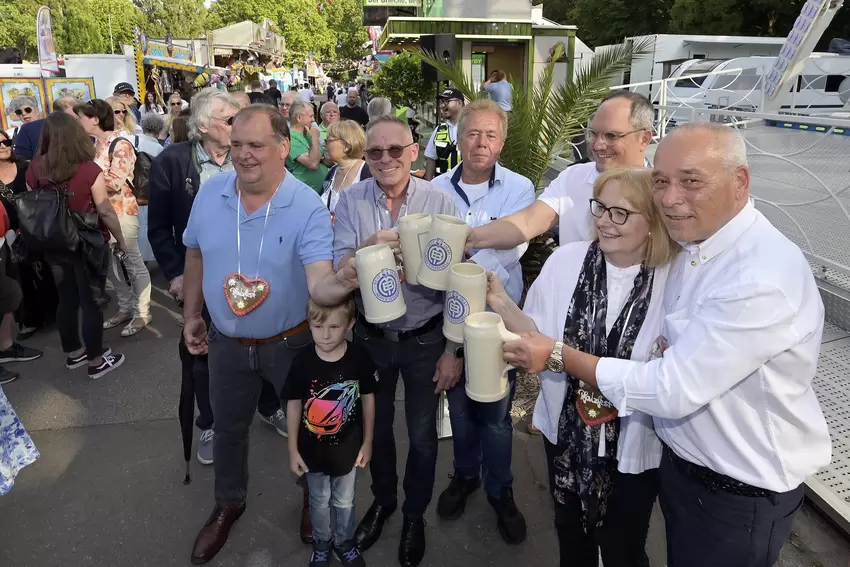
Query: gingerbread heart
x=593, y=407
x=244, y=295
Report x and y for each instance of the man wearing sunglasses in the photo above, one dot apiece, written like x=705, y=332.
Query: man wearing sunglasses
x=618, y=135
x=413, y=345
x=26, y=142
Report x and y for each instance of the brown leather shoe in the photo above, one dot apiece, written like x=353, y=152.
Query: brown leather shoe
x=306, y=524
x=213, y=535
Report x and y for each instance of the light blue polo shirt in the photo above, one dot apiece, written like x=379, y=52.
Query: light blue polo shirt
x=298, y=233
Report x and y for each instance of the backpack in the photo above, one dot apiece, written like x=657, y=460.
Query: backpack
x=141, y=171
x=45, y=218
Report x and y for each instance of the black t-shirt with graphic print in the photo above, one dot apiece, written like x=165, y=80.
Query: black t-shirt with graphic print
x=331, y=430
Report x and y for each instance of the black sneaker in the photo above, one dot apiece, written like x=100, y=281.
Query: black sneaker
x=7, y=375
x=321, y=554
x=349, y=555
x=510, y=522
x=77, y=361
x=110, y=363
x=452, y=501
x=19, y=353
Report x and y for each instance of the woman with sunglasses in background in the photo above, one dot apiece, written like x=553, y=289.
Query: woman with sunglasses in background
x=603, y=297
x=98, y=120
x=175, y=109
x=125, y=120
x=38, y=306
x=24, y=109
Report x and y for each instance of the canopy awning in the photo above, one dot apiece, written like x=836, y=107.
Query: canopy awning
x=168, y=63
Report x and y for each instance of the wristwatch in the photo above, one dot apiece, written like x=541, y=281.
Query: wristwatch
x=555, y=363
x=454, y=349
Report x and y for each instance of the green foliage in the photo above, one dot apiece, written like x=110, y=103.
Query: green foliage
x=345, y=19
x=180, y=18
x=400, y=79
x=547, y=116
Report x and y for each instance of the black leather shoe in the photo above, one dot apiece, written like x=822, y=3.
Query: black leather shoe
x=411, y=549
x=452, y=501
x=372, y=524
x=510, y=521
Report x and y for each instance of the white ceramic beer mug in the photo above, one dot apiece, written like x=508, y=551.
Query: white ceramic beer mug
x=467, y=295
x=380, y=287
x=412, y=235
x=486, y=369
x=445, y=248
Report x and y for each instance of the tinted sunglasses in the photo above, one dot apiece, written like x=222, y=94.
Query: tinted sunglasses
x=120, y=111
x=176, y=104
x=395, y=152
x=25, y=110
x=6, y=143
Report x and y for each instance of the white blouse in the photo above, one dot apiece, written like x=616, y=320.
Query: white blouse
x=547, y=303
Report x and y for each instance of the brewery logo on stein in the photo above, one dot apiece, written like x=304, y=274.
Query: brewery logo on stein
x=438, y=254
x=457, y=307
x=385, y=286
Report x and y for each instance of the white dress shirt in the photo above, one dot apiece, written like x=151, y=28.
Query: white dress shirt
x=733, y=392
x=507, y=194
x=548, y=300
x=569, y=195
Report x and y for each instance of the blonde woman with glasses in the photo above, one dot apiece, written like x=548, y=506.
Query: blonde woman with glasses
x=344, y=146
x=603, y=297
x=125, y=120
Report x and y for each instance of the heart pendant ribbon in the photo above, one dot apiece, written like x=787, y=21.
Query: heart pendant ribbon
x=593, y=407
x=244, y=295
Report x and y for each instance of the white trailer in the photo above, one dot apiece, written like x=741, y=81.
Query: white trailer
x=107, y=71
x=666, y=52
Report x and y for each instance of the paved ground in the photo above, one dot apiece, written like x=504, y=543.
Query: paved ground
x=108, y=489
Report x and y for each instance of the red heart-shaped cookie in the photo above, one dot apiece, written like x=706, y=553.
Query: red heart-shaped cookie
x=244, y=295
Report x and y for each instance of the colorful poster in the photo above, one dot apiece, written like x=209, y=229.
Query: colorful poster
x=10, y=89
x=81, y=89
x=46, y=48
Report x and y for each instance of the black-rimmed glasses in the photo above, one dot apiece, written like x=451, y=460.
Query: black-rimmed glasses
x=618, y=215
x=395, y=152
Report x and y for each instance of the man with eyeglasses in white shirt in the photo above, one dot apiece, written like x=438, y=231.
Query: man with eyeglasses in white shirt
x=730, y=388
x=619, y=133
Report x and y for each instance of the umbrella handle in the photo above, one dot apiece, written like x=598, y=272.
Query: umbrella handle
x=188, y=478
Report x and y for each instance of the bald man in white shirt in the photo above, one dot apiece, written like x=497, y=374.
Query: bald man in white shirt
x=730, y=391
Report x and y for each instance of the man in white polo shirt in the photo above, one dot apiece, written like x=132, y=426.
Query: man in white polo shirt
x=619, y=133
x=730, y=389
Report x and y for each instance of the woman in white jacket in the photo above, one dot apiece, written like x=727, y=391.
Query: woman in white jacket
x=603, y=297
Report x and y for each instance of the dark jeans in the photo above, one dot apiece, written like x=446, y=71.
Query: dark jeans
x=237, y=374
x=622, y=536
x=709, y=528
x=75, y=294
x=269, y=399
x=416, y=359
x=482, y=437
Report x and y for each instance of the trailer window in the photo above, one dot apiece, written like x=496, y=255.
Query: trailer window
x=702, y=67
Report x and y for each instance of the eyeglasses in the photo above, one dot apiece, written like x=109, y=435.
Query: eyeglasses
x=119, y=112
x=229, y=120
x=618, y=215
x=24, y=110
x=609, y=137
x=395, y=152
x=176, y=104
x=6, y=143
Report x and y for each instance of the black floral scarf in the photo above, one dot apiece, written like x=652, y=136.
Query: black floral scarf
x=580, y=470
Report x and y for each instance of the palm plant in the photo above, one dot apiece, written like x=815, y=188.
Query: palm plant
x=545, y=117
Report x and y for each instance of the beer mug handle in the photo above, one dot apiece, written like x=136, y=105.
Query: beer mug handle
x=506, y=336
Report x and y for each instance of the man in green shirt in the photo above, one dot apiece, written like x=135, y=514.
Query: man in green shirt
x=305, y=154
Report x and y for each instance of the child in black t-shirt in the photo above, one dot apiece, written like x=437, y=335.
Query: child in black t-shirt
x=331, y=417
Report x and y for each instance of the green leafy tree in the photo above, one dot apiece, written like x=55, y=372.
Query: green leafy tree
x=400, y=79
x=180, y=18
x=606, y=22
x=345, y=19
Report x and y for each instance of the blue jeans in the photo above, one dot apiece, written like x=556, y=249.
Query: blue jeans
x=482, y=435
x=332, y=496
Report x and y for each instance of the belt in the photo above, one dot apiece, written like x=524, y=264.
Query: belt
x=715, y=481
x=400, y=336
x=303, y=326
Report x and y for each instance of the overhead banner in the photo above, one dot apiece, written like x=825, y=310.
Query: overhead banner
x=393, y=3
x=46, y=48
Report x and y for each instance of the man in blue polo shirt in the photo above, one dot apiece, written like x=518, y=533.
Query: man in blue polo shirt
x=259, y=244
x=482, y=434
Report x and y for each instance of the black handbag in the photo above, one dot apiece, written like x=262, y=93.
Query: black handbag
x=45, y=218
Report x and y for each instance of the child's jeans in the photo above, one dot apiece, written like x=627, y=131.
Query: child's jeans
x=332, y=496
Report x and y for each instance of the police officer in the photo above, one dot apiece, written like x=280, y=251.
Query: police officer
x=441, y=153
